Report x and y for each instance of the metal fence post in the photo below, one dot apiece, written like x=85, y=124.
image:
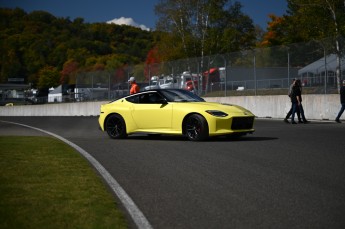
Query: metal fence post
x=108, y=85
x=288, y=56
x=326, y=73
x=225, y=78
x=255, y=83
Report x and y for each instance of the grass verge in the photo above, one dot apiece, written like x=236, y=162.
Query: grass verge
x=44, y=183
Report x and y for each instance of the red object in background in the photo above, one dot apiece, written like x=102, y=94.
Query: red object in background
x=212, y=71
x=151, y=66
x=210, y=76
x=189, y=85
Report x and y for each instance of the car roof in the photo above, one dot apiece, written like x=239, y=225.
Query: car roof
x=165, y=89
x=151, y=90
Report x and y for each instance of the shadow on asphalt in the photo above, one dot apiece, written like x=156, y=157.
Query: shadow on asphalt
x=242, y=139
x=317, y=122
x=185, y=139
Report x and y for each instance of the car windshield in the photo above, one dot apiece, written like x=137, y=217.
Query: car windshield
x=181, y=96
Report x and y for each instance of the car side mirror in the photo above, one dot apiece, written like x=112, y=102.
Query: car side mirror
x=162, y=101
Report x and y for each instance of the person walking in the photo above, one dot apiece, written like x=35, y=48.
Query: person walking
x=342, y=101
x=134, y=86
x=296, y=100
x=290, y=111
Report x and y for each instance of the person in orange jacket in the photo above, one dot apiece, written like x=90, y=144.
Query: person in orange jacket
x=134, y=86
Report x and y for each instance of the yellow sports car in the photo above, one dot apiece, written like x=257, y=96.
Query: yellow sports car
x=173, y=111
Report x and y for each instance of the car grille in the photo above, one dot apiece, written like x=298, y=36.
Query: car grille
x=240, y=123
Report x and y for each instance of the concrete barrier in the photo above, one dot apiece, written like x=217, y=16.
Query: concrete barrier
x=316, y=107
x=54, y=109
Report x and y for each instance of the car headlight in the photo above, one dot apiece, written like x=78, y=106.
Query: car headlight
x=217, y=113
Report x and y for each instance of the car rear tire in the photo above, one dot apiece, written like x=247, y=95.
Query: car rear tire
x=196, y=128
x=116, y=126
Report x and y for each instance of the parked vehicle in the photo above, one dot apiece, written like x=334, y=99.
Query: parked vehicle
x=163, y=82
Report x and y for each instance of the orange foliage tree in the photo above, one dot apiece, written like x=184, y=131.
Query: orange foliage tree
x=68, y=73
x=151, y=63
x=275, y=34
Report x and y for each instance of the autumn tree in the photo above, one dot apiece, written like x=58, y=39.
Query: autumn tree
x=276, y=32
x=48, y=77
x=10, y=66
x=151, y=59
x=69, y=71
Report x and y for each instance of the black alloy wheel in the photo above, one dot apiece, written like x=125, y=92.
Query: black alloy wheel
x=196, y=128
x=116, y=126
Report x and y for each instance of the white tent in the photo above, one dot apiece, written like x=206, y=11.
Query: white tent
x=55, y=95
x=318, y=66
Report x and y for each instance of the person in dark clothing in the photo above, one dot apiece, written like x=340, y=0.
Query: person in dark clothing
x=296, y=100
x=290, y=111
x=342, y=101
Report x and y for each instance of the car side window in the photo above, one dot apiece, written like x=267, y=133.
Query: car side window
x=133, y=99
x=143, y=98
x=150, y=98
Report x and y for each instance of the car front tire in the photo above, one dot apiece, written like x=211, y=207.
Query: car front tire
x=196, y=128
x=116, y=127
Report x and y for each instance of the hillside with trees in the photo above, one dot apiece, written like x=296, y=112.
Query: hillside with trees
x=38, y=43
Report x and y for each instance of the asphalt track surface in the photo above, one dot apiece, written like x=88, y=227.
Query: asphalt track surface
x=282, y=176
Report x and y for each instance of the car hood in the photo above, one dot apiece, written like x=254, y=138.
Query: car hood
x=227, y=108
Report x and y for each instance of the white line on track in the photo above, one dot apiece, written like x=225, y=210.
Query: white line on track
x=137, y=216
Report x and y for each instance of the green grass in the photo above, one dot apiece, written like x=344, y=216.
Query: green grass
x=44, y=183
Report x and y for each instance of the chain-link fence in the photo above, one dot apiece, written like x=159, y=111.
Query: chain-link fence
x=261, y=71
